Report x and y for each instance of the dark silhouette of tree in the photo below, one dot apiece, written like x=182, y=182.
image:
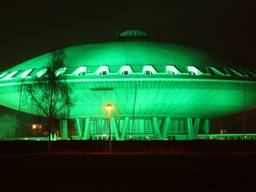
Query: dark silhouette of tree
x=50, y=94
x=8, y=126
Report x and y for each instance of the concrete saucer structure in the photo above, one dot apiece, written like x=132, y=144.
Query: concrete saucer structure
x=158, y=91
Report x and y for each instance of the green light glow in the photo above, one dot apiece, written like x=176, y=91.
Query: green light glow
x=159, y=91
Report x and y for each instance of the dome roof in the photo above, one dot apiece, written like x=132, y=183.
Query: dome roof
x=133, y=33
x=134, y=53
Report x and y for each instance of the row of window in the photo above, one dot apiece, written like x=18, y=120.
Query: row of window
x=127, y=70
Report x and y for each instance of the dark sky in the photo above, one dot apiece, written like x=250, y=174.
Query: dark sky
x=30, y=28
x=224, y=27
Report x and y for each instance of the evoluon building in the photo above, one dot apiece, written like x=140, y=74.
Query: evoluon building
x=154, y=90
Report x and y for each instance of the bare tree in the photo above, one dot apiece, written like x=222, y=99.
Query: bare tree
x=50, y=94
x=8, y=125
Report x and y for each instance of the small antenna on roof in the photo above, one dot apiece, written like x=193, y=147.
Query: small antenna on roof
x=117, y=33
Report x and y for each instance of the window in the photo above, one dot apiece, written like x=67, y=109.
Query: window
x=125, y=70
x=215, y=71
x=102, y=70
x=41, y=72
x=194, y=71
x=235, y=72
x=149, y=70
x=10, y=75
x=25, y=73
x=172, y=70
x=80, y=71
x=3, y=74
x=60, y=71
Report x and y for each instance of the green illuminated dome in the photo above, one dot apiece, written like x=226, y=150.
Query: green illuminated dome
x=145, y=81
x=134, y=53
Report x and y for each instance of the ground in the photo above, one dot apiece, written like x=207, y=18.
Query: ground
x=190, y=171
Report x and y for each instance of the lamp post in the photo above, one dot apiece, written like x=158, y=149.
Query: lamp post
x=109, y=108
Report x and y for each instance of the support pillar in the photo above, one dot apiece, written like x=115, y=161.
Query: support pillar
x=165, y=127
x=86, y=134
x=124, y=128
x=79, y=126
x=193, y=127
x=156, y=128
x=206, y=126
x=114, y=128
x=64, y=129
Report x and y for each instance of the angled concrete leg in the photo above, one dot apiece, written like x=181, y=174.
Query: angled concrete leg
x=64, y=129
x=86, y=129
x=193, y=128
x=206, y=126
x=165, y=127
x=156, y=128
x=79, y=126
x=124, y=129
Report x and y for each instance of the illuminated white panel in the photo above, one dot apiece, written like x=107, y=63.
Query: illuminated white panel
x=102, y=70
x=193, y=70
x=25, y=73
x=10, y=75
x=216, y=71
x=79, y=71
x=172, y=70
x=60, y=71
x=2, y=74
x=41, y=72
x=148, y=69
x=125, y=70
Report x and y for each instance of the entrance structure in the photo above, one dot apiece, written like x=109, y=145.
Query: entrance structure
x=159, y=91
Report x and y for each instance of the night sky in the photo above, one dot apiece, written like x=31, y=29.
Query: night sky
x=30, y=28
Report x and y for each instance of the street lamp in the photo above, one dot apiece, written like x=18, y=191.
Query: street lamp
x=109, y=108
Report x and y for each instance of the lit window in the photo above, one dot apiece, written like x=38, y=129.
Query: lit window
x=37, y=126
x=125, y=70
x=172, y=70
x=149, y=70
x=60, y=71
x=25, y=73
x=10, y=75
x=102, y=70
x=194, y=71
x=80, y=71
x=41, y=72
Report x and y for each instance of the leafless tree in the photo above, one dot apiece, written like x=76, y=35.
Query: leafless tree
x=50, y=94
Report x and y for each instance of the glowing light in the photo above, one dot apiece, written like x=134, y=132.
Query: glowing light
x=109, y=108
x=37, y=126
